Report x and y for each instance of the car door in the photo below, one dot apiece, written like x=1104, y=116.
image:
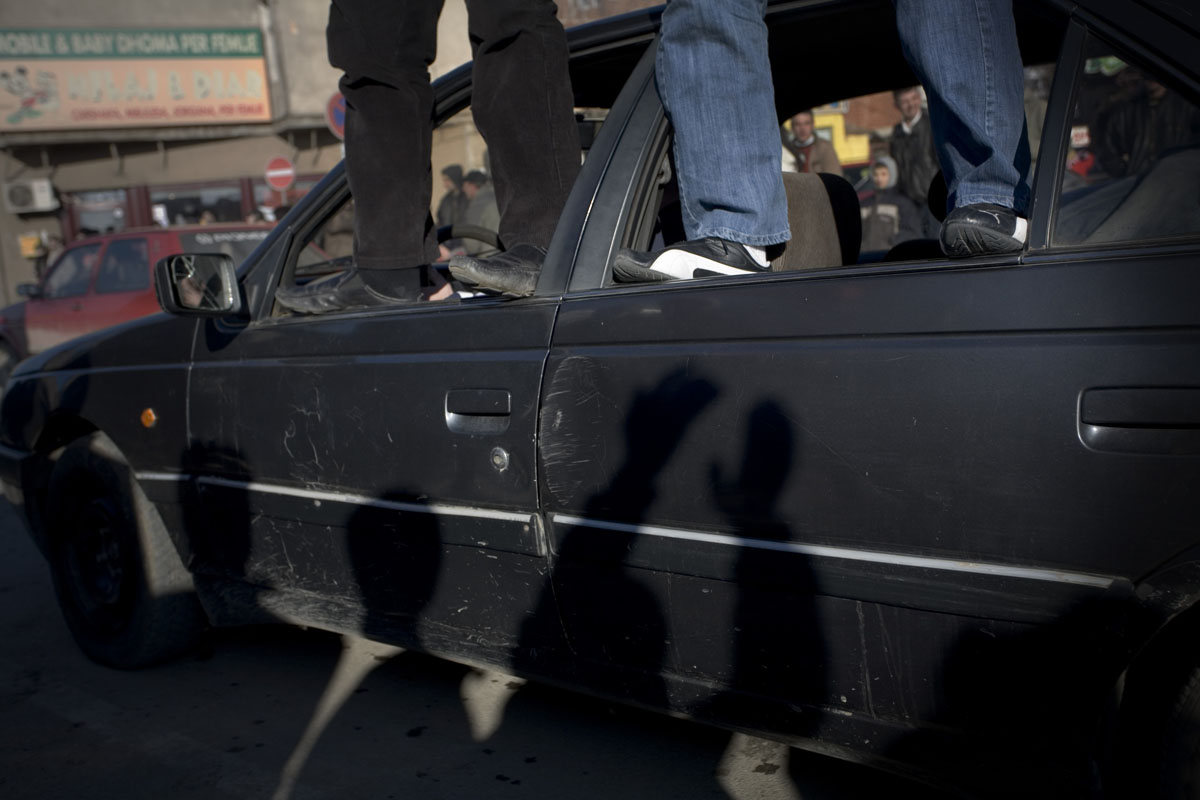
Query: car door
x=375, y=470
x=381, y=460
x=57, y=313
x=914, y=493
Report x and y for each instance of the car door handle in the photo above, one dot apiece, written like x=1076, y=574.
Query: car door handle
x=478, y=411
x=77, y=306
x=1150, y=420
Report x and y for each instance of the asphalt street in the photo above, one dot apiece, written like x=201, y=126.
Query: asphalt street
x=287, y=713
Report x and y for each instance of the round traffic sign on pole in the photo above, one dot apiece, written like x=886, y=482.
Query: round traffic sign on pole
x=335, y=115
x=280, y=174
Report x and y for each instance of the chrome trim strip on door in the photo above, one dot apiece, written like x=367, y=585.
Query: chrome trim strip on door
x=349, y=498
x=823, y=551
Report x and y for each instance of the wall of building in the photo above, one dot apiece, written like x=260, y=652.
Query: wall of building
x=79, y=160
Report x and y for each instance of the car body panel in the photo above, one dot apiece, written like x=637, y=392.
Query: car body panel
x=450, y=460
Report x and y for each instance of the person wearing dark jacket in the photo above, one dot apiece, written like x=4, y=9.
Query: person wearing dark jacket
x=1138, y=127
x=912, y=146
x=453, y=204
x=888, y=215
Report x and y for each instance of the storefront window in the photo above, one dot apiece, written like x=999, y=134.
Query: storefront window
x=190, y=204
x=99, y=212
x=273, y=204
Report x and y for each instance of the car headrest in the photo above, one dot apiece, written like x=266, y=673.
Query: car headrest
x=825, y=222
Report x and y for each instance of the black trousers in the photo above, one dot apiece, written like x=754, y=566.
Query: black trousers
x=522, y=104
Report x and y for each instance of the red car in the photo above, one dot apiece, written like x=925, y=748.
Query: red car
x=104, y=280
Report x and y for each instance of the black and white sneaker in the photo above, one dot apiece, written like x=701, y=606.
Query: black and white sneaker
x=983, y=229
x=701, y=258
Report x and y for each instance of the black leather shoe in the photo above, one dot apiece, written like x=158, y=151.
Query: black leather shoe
x=700, y=258
x=514, y=272
x=339, y=292
x=983, y=229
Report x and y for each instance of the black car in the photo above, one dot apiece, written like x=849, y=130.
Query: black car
x=939, y=516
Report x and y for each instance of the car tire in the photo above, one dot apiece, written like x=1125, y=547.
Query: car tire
x=1179, y=768
x=126, y=596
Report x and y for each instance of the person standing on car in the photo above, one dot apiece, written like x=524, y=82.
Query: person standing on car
x=522, y=104
x=966, y=56
x=714, y=76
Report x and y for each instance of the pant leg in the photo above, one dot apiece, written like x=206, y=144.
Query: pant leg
x=714, y=77
x=524, y=107
x=966, y=56
x=385, y=47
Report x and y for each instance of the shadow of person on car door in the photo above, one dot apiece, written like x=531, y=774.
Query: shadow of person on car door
x=611, y=627
x=778, y=649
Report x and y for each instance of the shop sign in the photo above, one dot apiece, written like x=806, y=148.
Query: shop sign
x=70, y=79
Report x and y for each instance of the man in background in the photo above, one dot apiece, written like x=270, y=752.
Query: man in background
x=912, y=149
x=809, y=152
x=481, y=210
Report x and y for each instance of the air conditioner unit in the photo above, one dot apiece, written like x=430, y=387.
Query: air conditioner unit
x=29, y=196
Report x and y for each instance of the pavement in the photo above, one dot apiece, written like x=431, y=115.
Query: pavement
x=281, y=713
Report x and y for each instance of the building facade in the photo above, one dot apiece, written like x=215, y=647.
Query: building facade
x=154, y=112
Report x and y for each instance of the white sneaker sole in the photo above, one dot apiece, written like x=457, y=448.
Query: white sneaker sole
x=682, y=265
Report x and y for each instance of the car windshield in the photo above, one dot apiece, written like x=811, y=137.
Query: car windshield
x=237, y=244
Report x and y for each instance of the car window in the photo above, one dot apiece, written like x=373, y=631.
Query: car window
x=72, y=275
x=891, y=167
x=867, y=215
x=458, y=151
x=465, y=224
x=1133, y=159
x=331, y=246
x=125, y=267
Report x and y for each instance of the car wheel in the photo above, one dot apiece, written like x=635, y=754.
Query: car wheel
x=127, y=598
x=1180, y=766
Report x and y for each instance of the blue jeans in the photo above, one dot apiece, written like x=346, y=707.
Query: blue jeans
x=714, y=78
x=965, y=54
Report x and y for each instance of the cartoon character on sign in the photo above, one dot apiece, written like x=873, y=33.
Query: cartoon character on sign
x=33, y=100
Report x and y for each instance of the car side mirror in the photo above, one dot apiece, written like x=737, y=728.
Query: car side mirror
x=30, y=290
x=198, y=284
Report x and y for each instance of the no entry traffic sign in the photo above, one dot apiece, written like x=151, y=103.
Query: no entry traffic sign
x=280, y=174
